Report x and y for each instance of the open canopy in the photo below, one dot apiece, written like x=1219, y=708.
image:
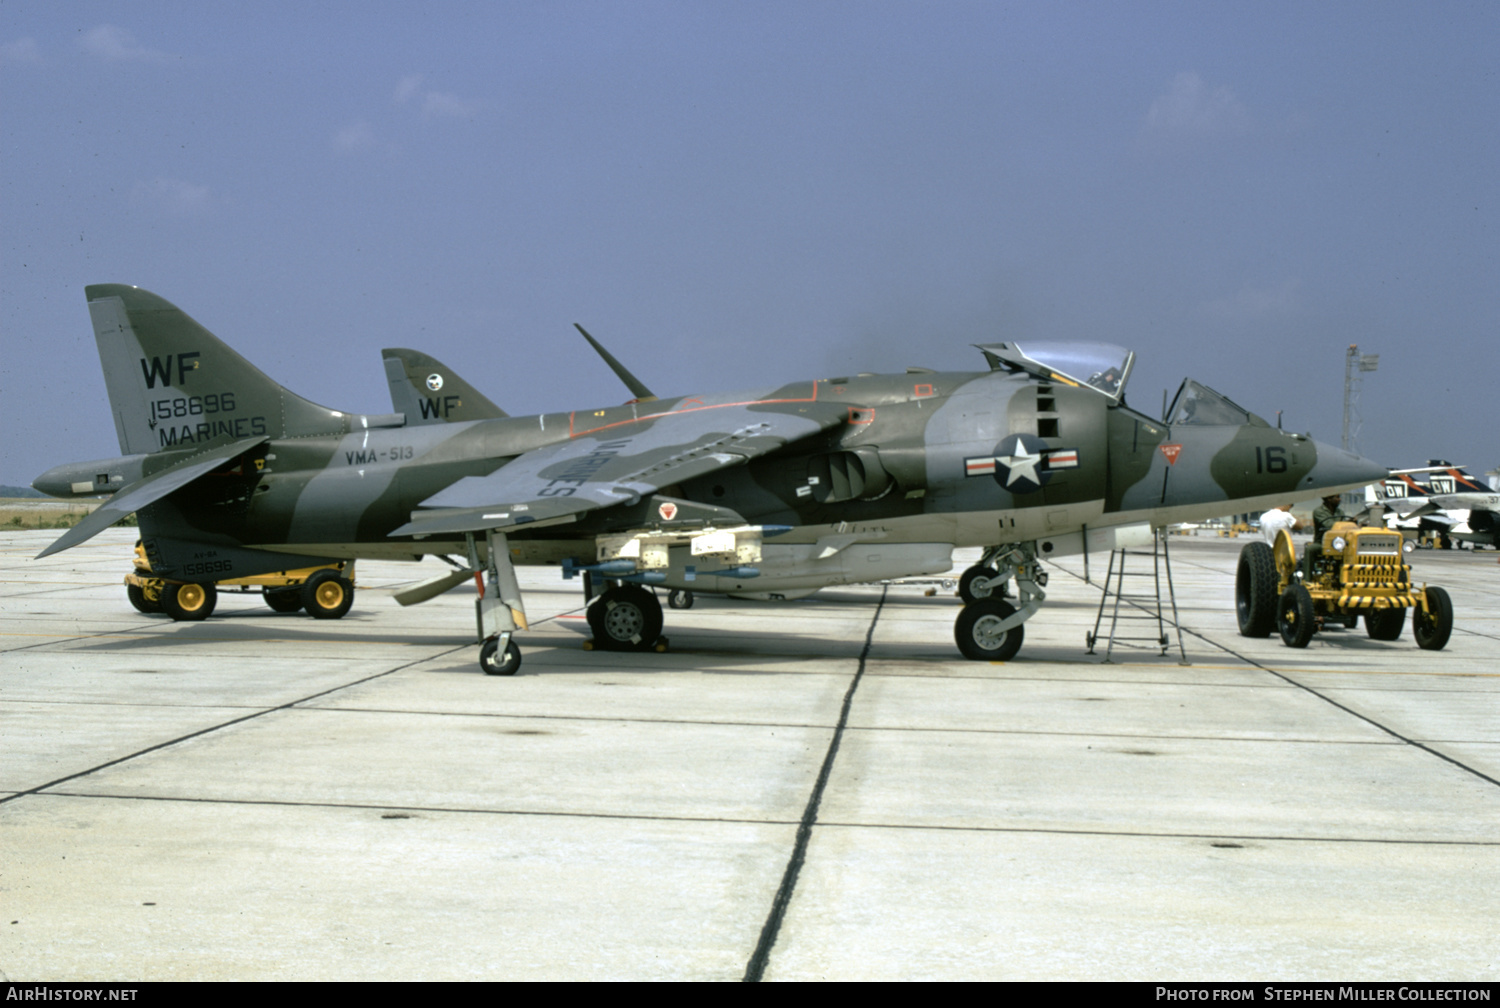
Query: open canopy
x=1103, y=367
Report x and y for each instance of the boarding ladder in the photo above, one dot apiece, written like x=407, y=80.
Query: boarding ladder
x=1130, y=623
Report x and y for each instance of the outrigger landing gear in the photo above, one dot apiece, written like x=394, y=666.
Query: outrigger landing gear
x=497, y=662
x=989, y=628
x=498, y=606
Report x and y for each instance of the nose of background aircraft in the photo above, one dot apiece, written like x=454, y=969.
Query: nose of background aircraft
x=1338, y=470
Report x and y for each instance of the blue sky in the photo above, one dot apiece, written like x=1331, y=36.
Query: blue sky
x=732, y=195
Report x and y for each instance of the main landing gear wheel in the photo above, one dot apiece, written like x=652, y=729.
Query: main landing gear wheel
x=1255, y=590
x=626, y=618
x=189, y=602
x=327, y=595
x=970, y=593
x=140, y=600
x=1385, y=624
x=680, y=598
x=978, y=635
x=282, y=600
x=1295, y=617
x=1433, y=625
x=494, y=663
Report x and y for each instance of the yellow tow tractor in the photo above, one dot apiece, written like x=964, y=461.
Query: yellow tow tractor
x=1357, y=572
x=326, y=591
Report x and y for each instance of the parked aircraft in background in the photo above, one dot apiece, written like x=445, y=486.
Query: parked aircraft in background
x=812, y=483
x=1442, y=498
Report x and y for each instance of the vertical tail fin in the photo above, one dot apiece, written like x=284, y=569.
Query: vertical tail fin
x=428, y=391
x=173, y=384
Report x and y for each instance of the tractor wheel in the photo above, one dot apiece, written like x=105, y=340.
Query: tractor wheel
x=1433, y=625
x=1255, y=590
x=1385, y=624
x=1295, y=617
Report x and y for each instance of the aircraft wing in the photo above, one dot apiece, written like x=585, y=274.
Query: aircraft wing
x=144, y=491
x=619, y=464
x=1409, y=507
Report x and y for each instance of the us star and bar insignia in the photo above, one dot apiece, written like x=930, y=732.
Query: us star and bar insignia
x=1022, y=463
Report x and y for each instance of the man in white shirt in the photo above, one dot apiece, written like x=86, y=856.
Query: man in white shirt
x=1276, y=519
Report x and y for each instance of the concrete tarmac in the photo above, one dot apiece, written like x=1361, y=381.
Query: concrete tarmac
x=266, y=797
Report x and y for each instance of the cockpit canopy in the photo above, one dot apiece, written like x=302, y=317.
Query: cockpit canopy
x=1103, y=367
x=1199, y=405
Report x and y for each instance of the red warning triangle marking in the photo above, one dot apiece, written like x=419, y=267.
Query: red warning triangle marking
x=1171, y=451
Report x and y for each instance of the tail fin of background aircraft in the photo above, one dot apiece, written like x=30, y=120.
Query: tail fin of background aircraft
x=1449, y=478
x=173, y=384
x=428, y=391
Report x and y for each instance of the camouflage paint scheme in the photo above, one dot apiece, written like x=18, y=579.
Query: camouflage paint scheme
x=875, y=475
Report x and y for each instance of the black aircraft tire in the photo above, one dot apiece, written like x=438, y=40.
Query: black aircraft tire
x=969, y=593
x=1433, y=630
x=189, y=603
x=282, y=600
x=626, y=618
x=327, y=595
x=975, y=634
x=1255, y=590
x=1295, y=617
x=137, y=596
x=1385, y=624
x=680, y=598
x=494, y=664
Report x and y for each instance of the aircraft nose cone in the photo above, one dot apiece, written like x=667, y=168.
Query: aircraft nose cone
x=55, y=482
x=1338, y=470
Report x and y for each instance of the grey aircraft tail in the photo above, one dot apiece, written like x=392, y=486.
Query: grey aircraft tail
x=184, y=405
x=427, y=391
x=172, y=384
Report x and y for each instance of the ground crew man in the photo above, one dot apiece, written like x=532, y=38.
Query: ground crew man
x=1276, y=519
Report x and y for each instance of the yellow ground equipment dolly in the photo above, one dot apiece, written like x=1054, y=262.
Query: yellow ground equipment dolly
x=1356, y=572
x=326, y=591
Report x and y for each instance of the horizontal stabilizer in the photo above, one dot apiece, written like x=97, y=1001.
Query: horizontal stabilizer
x=145, y=491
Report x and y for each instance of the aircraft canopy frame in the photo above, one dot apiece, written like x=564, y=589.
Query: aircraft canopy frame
x=1102, y=367
x=1197, y=405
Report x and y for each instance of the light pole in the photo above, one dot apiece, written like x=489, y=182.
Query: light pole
x=1355, y=363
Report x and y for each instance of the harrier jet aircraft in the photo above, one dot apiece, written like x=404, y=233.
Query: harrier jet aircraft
x=777, y=490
